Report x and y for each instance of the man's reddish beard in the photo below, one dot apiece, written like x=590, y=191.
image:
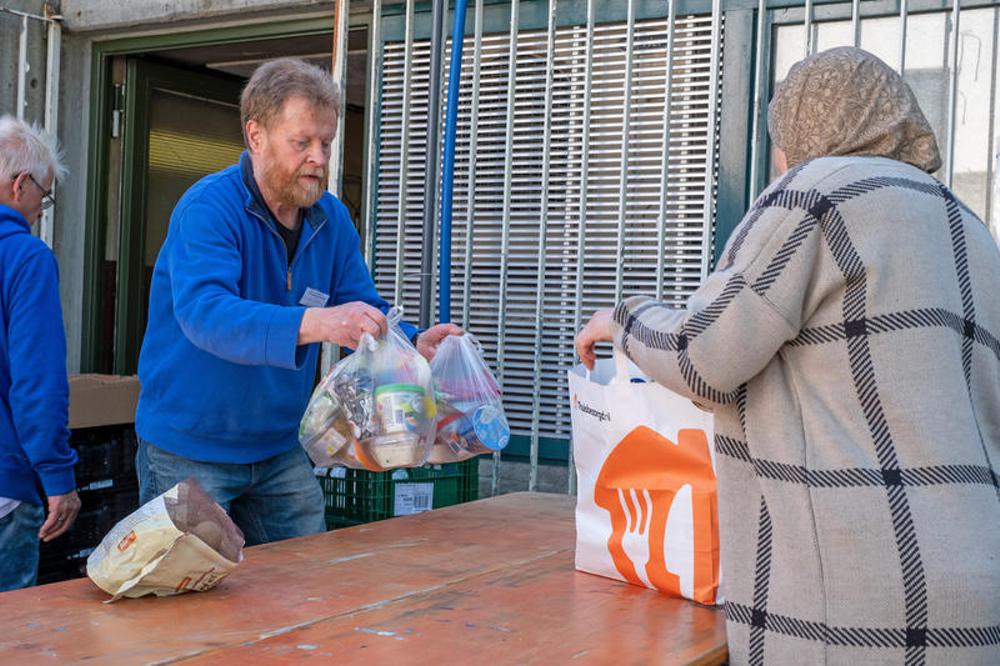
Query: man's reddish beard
x=289, y=188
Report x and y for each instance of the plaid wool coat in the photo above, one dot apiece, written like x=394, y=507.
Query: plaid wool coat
x=849, y=345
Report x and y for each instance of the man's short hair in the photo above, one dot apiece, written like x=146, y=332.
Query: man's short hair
x=274, y=82
x=28, y=148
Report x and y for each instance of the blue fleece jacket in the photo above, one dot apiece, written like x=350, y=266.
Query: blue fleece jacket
x=222, y=377
x=34, y=394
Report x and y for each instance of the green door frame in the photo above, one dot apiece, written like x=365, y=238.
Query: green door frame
x=141, y=79
x=102, y=102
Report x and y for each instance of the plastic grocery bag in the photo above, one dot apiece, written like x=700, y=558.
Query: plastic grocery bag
x=375, y=410
x=471, y=419
x=646, y=509
x=177, y=542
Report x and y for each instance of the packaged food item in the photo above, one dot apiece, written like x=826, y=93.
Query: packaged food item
x=399, y=407
x=325, y=428
x=375, y=409
x=471, y=420
x=178, y=542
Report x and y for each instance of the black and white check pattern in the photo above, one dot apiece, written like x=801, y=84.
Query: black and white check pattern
x=855, y=477
x=817, y=216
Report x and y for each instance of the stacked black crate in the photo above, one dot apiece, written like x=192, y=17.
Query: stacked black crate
x=108, y=489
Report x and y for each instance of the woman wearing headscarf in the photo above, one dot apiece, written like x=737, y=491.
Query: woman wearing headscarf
x=849, y=345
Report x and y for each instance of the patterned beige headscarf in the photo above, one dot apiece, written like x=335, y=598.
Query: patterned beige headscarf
x=845, y=101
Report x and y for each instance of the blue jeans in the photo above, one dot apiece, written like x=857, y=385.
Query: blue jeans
x=275, y=499
x=19, y=546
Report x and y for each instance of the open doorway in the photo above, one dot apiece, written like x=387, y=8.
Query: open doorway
x=175, y=119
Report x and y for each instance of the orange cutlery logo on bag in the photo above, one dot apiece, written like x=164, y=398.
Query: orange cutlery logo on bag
x=637, y=486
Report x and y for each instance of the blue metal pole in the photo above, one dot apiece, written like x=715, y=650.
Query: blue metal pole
x=438, y=12
x=448, y=167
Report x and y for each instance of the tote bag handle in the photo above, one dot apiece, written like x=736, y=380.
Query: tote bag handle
x=623, y=370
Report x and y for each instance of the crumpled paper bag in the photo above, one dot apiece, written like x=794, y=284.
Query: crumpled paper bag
x=178, y=542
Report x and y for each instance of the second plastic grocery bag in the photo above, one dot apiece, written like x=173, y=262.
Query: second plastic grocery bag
x=470, y=419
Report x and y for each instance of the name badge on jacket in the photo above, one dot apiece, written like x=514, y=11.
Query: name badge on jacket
x=313, y=298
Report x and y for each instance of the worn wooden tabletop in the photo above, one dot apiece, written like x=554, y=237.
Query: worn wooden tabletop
x=489, y=582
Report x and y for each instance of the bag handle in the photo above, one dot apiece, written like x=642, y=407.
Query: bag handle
x=367, y=341
x=394, y=315
x=623, y=368
x=474, y=342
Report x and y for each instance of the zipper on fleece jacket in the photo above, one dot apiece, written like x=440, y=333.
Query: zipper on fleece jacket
x=298, y=252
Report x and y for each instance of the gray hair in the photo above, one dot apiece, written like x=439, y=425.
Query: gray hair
x=274, y=82
x=28, y=148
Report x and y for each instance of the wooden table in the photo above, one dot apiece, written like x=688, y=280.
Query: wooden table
x=490, y=582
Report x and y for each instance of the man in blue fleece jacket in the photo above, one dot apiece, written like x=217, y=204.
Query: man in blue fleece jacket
x=34, y=395
x=260, y=264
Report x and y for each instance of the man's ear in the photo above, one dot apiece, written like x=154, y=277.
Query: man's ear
x=255, y=134
x=17, y=186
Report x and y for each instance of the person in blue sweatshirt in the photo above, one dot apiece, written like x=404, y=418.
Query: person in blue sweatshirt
x=35, y=456
x=259, y=265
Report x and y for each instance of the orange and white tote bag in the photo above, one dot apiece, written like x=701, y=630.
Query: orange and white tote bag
x=646, y=509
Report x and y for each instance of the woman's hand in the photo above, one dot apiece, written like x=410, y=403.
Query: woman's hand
x=598, y=329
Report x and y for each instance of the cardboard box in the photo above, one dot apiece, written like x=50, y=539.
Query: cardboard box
x=98, y=400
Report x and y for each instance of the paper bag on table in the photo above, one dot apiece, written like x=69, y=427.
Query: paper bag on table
x=178, y=542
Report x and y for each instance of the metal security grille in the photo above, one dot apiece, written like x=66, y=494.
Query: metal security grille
x=626, y=248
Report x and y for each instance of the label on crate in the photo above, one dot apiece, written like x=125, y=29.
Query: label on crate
x=98, y=485
x=413, y=498
x=81, y=554
x=330, y=472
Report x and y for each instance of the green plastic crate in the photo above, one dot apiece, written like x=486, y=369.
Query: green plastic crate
x=355, y=496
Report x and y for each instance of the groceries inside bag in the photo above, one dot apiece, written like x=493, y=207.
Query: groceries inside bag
x=375, y=409
x=471, y=419
x=178, y=542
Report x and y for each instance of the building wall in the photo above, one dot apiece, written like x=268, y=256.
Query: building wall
x=115, y=15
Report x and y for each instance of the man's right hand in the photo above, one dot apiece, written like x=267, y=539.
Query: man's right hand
x=342, y=324
x=62, y=513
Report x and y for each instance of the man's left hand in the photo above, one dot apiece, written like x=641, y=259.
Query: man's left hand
x=428, y=341
x=62, y=512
